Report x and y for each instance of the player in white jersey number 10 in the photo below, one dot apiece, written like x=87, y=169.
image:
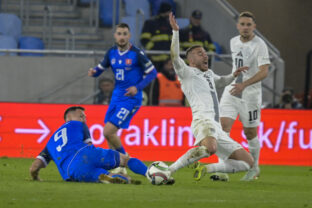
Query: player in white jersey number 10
x=244, y=96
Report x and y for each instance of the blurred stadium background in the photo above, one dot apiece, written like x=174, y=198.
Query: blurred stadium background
x=74, y=34
x=46, y=48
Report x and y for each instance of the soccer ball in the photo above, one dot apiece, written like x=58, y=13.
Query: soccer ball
x=158, y=173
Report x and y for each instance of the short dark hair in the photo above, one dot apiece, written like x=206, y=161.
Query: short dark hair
x=123, y=25
x=247, y=14
x=190, y=49
x=71, y=109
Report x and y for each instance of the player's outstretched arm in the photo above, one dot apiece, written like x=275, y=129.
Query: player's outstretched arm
x=96, y=71
x=35, y=168
x=178, y=63
x=175, y=45
x=173, y=22
x=222, y=81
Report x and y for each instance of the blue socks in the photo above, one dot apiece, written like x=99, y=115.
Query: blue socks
x=121, y=150
x=137, y=166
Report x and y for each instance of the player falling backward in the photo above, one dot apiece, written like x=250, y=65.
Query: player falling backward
x=199, y=86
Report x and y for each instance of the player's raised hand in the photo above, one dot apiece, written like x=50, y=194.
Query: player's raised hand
x=91, y=72
x=131, y=91
x=239, y=70
x=173, y=22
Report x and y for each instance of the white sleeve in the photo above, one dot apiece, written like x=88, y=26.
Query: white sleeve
x=263, y=54
x=222, y=81
x=178, y=63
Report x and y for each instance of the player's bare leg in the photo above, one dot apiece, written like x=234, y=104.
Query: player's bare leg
x=239, y=160
x=207, y=148
x=227, y=124
x=110, y=133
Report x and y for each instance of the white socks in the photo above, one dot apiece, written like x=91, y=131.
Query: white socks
x=228, y=166
x=254, y=149
x=191, y=156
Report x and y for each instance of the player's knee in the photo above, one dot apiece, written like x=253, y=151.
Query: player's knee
x=212, y=149
x=108, y=135
x=211, y=144
x=110, y=131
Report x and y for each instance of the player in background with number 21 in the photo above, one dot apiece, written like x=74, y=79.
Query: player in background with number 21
x=129, y=64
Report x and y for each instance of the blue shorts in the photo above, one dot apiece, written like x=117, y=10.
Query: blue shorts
x=121, y=113
x=91, y=162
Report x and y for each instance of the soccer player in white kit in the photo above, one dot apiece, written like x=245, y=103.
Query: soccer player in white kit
x=199, y=86
x=244, y=96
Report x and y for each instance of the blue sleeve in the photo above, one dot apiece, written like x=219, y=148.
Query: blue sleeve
x=148, y=69
x=105, y=63
x=147, y=79
x=45, y=156
x=143, y=61
x=86, y=134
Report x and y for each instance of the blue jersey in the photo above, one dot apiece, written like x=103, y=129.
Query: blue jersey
x=63, y=145
x=129, y=67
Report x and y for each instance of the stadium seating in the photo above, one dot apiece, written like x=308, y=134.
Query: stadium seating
x=135, y=32
x=106, y=12
x=31, y=43
x=131, y=7
x=8, y=42
x=10, y=25
x=183, y=22
x=155, y=5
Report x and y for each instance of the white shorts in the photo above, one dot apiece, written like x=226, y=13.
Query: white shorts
x=249, y=113
x=202, y=128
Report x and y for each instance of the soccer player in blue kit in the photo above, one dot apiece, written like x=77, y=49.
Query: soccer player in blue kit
x=129, y=65
x=77, y=159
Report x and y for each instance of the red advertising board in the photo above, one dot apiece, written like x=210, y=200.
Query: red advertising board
x=155, y=133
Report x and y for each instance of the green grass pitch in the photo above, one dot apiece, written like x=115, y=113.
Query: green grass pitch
x=278, y=186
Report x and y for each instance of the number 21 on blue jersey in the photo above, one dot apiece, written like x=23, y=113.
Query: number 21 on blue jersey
x=120, y=75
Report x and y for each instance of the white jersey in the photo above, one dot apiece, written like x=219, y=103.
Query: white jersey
x=199, y=87
x=253, y=54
